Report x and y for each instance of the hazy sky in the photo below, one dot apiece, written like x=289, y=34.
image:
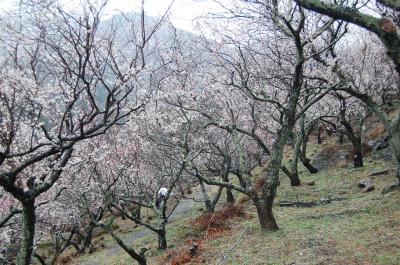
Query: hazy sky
x=182, y=11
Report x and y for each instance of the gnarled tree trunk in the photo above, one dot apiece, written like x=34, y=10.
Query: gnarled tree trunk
x=161, y=234
x=28, y=233
x=295, y=180
x=265, y=216
x=394, y=142
x=357, y=153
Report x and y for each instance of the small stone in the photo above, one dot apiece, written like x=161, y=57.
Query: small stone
x=324, y=200
x=193, y=249
x=366, y=185
x=310, y=183
x=379, y=173
x=368, y=188
x=364, y=182
x=391, y=187
x=371, y=143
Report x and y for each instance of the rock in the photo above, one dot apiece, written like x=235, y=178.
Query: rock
x=290, y=263
x=391, y=187
x=366, y=185
x=382, y=144
x=368, y=188
x=325, y=200
x=379, y=173
x=310, y=183
x=328, y=157
x=371, y=143
x=193, y=249
x=364, y=182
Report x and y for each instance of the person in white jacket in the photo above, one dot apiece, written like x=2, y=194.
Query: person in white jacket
x=162, y=192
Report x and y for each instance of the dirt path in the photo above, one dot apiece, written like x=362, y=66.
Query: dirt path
x=113, y=249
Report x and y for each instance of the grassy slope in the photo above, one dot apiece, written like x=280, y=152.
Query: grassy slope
x=363, y=228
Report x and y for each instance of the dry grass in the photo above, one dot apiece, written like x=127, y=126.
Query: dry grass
x=375, y=132
x=211, y=225
x=363, y=228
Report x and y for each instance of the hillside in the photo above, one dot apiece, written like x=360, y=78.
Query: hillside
x=347, y=226
x=270, y=135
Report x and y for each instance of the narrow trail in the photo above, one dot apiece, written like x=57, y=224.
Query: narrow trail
x=113, y=249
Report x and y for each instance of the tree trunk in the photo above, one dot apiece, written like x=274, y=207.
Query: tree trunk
x=207, y=200
x=307, y=164
x=87, y=241
x=394, y=142
x=229, y=196
x=225, y=178
x=341, y=138
x=139, y=257
x=271, y=178
x=294, y=179
x=162, y=239
x=357, y=153
x=303, y=157
x=319, y=139
x=28, y=233
x=265, y=216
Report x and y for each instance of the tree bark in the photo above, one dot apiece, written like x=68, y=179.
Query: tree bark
x=28, y=233
x=307, y=164
x=353, y=135
x=225, y=178
x=390, y=39
x=394, y=142
x=162, y=239
x=357, y=153
x=341, y=138
x=303, y=157
x=295, y=180
x=207, y=201
x=87, y=240
x=265, y=216
x=229, y=194
x=139, y=257
x=319, y=139
x=271, y=178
